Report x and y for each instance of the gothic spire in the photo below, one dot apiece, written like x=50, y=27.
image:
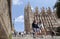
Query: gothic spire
x=43, y=11
x=49, y=10
x=28, y=5
x=36, y=10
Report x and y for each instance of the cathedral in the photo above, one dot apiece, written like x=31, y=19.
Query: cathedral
x=46, y=16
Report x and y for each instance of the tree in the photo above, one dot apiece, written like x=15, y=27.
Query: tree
x=58, y=30
x=57, y=6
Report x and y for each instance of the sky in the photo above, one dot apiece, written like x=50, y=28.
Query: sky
x=18, y=10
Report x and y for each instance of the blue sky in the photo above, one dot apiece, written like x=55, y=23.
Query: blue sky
x=18, y=10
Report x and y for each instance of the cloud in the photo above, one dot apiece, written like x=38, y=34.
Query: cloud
x=32, y=8
x=17, y=2
x=20, y=19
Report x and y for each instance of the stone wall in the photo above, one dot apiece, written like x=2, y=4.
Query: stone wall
x=5, y=18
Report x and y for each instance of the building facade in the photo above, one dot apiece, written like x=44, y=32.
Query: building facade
x=46, y=16
x=5, y=19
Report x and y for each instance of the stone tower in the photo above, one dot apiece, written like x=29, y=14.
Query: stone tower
x=47, y=17
x=28, y=16
x=5, y=19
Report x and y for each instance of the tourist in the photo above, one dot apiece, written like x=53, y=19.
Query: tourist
x=40, y=26
x=34, y=27
x=15, y=33
x=19, y=33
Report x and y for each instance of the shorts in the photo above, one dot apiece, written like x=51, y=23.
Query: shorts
x=36, y=29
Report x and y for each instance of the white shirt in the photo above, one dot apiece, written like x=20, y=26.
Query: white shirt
x=40, y=25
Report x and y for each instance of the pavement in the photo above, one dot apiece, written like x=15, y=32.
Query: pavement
x=31, y=37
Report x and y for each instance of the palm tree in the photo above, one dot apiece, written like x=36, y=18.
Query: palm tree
x=57, y=6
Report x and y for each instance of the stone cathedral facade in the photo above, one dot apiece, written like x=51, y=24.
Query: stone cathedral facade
x=47, y=17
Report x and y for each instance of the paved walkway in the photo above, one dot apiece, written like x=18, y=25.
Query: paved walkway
x=31, y=37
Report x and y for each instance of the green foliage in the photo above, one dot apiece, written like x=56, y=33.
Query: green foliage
x=57, y=6
x=58, y=0
x=10, y=36
x=58, y=29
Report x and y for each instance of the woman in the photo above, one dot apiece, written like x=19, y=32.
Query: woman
x=34, y=27
x=40, y=26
